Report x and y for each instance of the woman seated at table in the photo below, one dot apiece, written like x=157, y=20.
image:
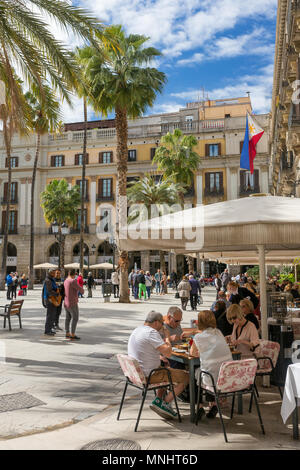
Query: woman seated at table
x=244, y=335
x=248, y=311
x=219, y=311
x=213, y=349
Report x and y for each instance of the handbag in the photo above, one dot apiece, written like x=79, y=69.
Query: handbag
x=21, y=292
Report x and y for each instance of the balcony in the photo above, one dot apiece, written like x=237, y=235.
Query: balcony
x=214, y=193
x=103, y=198
x=13, y=200
x=246, y=191
x=75, y=230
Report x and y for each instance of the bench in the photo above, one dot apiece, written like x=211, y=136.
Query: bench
x=14, y=308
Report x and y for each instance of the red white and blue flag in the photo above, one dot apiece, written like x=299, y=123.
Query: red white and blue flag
x=252, y=135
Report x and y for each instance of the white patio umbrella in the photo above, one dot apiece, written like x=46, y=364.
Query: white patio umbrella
x=45, y=266
x=260, y=225
x=103, y=266
x=75, y=266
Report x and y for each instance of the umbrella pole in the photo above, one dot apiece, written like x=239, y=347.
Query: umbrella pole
x=263, y=300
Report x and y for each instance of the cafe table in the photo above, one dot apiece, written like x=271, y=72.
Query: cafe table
x=192, y=363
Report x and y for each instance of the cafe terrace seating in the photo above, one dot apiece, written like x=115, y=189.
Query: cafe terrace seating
x=234, y=377
x=135, y=377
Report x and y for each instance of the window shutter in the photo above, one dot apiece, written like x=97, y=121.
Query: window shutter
x=219, y=151
x=16, y=190
x=3, y=220
x=221, y=180
x=63, y=160
x=52, y=160
x=76, y=159
x=256, y=180
x=6, y=163
x=86, y=158
x=207, y=150
x=111, y=186
x=111, y=157
x=100, y=157
x=207, y=179
x=100, y=187
x=17, y=161
x=5, y=191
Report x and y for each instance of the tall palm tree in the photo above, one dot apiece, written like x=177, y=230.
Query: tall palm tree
x=154, y=195
x=27, y=43
x=60, y=204
x=45, y=118
x=122, y=81
x=15, y=116
x=179, y=162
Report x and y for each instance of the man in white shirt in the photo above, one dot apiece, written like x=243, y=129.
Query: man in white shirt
x=148, y=348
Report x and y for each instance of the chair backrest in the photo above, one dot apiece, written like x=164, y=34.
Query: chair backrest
x=236, y=375
x=15, y=307
x=132, y=369
x=267, y=349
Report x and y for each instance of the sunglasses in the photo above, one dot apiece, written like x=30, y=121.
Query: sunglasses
x=232, y=318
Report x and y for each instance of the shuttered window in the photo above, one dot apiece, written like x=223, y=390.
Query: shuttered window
x=132, y=155
x=14, y=162
x=249, y=182
x=214, y=182
x=105, y=157
x=212, y=150
x=12, y=221
x=105, y=187
x=57, y=160
x=79, y=183
x=13, y=191
x=79, y=159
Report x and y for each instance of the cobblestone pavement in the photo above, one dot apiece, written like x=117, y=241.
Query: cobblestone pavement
x=81, y=383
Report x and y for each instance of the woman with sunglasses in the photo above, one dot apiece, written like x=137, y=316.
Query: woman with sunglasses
x=244, y=334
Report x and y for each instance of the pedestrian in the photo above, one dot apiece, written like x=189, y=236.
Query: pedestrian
x=24, y=284
x=60, y=286
x=158, y=278
x=72, y=289
x=80, y=283
x=164, y=284
x=225, y=278
x=115, y=283
x=184, y=289
x=195, y=288
x=218, y=284
x=142, y=284
x=90, y=284
x=14, y=286
x=174, y=279
x=130, y=280
x=148, y=279
x=135, y=284
x=9, y=283
x=49, y=295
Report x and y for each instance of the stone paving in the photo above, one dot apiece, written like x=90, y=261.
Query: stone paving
x=81, y=384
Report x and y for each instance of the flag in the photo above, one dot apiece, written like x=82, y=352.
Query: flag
x=253, y=134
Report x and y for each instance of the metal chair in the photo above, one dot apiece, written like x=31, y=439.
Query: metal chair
x=234, y=377
x=14, y=308
x=135, y=377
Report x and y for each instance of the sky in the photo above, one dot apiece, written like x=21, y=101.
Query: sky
x=211, y=48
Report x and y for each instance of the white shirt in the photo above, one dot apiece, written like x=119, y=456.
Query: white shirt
x=142, y=345
x=213, y=350
x=115, y=278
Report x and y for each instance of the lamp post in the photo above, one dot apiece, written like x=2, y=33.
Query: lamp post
x=112, y=242
x=93, y=249
x=60, y=232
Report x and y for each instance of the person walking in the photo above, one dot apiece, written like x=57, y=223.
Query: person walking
x=130, y=280
x=72, y=289
x=80, y=283
x=148, y=280
x=164, y=284
x=142, y=284
x=9, y=283
x=49, y=294
x=60, y=285
x=23, y=284
x=174, y=279
x=225, y=278
x=158, y=278
x=135, y=284
x=90, y=284
x=184, y=289
x=195, y=288
x=14, y=286
x=115, y=283
x=218, y=284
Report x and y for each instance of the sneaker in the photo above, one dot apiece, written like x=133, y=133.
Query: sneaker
x=49, y=334
x=168, y=408
x=74, y=337
x=212, y=412
x=156, y=406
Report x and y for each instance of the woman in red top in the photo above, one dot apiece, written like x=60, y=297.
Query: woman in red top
x=80, y=282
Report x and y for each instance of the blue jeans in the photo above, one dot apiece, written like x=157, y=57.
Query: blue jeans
x=136, y=292
x=148, y=291
x=157, y=287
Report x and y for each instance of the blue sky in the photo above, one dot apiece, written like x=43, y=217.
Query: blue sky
x=224, y=47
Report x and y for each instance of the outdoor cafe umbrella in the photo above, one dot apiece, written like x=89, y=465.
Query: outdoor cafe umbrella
x=75, y=266
x=103, y=266
x=45, y=266
x=260, y=225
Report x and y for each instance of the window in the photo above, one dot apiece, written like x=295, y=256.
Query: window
x=212, y=150
x=132, y=155
x=13, y=192
x=79, y=183
x=105, y=188
x=248, y=182
x=214, y=183
x=57, y=160
x=78, y=223
x=12, y=221
x=188, y=122
x=105, y=157
x=152, y=153
x=79, y=159
x=14, y=162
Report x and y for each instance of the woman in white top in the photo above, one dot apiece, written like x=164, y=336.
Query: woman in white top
x=214, y=350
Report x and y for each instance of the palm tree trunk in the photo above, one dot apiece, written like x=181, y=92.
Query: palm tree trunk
x=81, y=243
x=31, y=255
x=122, y=158
x=7, y=140
x=62, y=256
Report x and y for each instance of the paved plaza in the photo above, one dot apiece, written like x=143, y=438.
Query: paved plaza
x=80, y=386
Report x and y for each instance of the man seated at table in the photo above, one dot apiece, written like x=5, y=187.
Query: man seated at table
x=148, y=348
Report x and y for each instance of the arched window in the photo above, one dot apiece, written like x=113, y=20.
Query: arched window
x=76, y=250
x=11, y=249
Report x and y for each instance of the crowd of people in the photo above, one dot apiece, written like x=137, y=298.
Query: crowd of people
x=13, y=281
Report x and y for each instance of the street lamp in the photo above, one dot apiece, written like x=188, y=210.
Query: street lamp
x=93, y=249
x=60, y=232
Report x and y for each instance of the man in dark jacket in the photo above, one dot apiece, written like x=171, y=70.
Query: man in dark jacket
x=195, y=288
x=218, y=284
x=239, y=293
x=60, y=285
x=135, y=284
x=142, y=285
x=225, y=279
x=50, y=290
x=90, y=284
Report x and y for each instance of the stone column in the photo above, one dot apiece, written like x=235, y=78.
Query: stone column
x=93, y=194
x=264, y=179
x=172, y=262
x=145, y=260
x=199, y=183
x=233, y=184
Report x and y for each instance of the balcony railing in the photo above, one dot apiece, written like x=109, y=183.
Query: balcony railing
x=13, y=200
x=102, y=197
x=213, y=193
x=245, y=191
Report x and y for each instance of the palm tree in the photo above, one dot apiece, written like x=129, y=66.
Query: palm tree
x=122, y=81
x=45, y=118
x=178, y=161
x=27, y=43
x=60, y=204
x=154, y=195
x=15, y=116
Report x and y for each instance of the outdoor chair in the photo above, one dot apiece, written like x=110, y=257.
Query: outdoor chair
x=135, y=377
x=14, y=308
x=266, y=355
x=234, y=377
